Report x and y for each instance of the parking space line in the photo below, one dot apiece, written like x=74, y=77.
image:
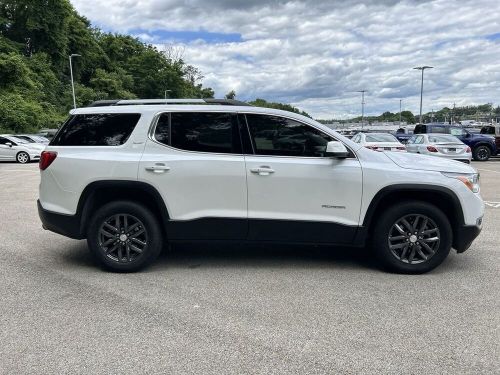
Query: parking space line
x=492, y=204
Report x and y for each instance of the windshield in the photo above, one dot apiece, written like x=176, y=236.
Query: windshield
x=25, y=138
x=443, y=138
x=380, y=138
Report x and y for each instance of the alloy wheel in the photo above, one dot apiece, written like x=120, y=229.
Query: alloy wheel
x=414, y=239
x=23, y=157
x=123, y=238
x=482, y=154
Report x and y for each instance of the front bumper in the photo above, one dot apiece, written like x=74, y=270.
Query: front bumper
x=66, y=225
x=464, y=236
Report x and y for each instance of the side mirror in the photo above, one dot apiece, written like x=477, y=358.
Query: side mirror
x=8, y=144
x=336, y=149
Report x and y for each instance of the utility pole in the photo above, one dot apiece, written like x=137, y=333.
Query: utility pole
x=362, y=107
x=71, y=73
x=422, y=68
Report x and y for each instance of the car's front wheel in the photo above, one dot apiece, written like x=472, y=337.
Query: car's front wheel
x=22, y=157
x=124, y=236
x=412, y=237
x=481, y=153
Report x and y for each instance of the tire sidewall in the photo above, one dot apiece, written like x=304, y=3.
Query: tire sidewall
x=393, y=214
x=27, y=157
x=151, y=225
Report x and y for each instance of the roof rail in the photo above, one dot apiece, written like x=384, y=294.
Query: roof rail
x=101, y=103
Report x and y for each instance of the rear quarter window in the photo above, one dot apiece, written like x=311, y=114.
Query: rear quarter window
x=98, y=129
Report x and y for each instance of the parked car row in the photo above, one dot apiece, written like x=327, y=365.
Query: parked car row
x=443, y=145
x=22, y=148
x=482, y=144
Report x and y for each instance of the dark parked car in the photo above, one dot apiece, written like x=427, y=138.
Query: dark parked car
x=483, y=146
x=493, y=130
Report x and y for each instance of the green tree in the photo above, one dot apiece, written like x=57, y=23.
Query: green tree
x=408, y=117
x=41, y=25
x=231, y=94
x=36, y=37
x=285, y=107
x=112, y=84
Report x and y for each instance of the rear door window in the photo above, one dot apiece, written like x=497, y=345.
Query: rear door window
x=97, y=129
x=200, y=131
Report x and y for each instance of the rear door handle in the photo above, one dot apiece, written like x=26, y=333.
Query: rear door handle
x=263, y=170
x=158, y=168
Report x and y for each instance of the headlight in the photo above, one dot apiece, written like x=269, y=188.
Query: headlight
x=471, y=180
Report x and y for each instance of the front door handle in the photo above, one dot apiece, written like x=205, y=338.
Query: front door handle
x=158, y=168
x=263, y=170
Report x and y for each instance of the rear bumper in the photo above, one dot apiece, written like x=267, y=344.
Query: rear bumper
x=464, y=237
x=66, y=225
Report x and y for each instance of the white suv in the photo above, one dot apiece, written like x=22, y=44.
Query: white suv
x=131, y=175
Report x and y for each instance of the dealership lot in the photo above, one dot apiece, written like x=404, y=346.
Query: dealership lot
x=240, y=309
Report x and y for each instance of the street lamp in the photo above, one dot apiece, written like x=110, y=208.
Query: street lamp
x=71, y=72
x=166, y=93
x=422, y=68
x=400, y=100
x=362, y=107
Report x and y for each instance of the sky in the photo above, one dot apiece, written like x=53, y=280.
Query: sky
x=316, y=55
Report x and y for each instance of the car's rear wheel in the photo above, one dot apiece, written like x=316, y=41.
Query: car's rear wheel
x=412, y=237
x=124, y=236
x=22, y=157
x=481, y=153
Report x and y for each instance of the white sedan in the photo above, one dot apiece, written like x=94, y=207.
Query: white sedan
x=379, y=141
x=17, y=149
x=443, y=145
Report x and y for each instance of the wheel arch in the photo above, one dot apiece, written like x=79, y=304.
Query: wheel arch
x=443, y=198
x=483, y=143
x=100, y=192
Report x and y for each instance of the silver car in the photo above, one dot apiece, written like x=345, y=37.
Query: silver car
x=442, y=145
x=17, y=149
x=32, y=138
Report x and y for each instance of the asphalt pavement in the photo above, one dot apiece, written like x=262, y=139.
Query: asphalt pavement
x=213, y=309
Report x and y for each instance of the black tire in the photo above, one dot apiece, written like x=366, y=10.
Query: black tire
x=390, y=248
x=22, y=157
x=141, y=231
x=481, y=153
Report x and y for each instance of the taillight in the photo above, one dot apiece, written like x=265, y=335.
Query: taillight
x=468, y=150
x=46, y=159
x=432, y=149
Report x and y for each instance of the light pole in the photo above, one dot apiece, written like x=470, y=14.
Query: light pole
x=71, y=73
x=362, y=107
x=422, y=68
x=166, y=93
x=400, y=100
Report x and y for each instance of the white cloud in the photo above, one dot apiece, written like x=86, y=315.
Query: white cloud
x=317, y=54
